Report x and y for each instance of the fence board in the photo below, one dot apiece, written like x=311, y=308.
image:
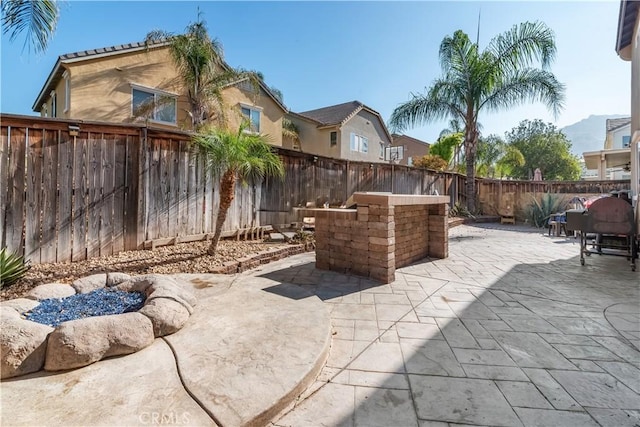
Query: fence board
x=16, y=186
x=192, y=193
x=135, y=193
x=65, y=196
x=164, y=187
x=94, y=172
x=183, y=179
x=80, y=194
x=200, y=184
x=120, y=164
x=174, y=195
x=48, y=245
x=154, y=190
x=108, y=189
x=32, y=224
x=4, y=179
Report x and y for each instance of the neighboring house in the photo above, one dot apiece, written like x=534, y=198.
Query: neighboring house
x=350, y=131
x=628, y=48
x=613, y=161
x=138, y=82
x=412, y=148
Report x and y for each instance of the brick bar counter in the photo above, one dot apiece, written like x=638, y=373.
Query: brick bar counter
x=385, y=232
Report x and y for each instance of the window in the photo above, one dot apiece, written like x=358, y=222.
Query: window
x=253, y=116
x=67, y=91
x=359, y=143
x=334, y=138
x=381, y=154
x=44, y=111
x=155, y=105
x=626, y=141
x=54, y=110
x=410, y=161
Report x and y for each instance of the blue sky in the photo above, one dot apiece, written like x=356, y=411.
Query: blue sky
x=325, y=53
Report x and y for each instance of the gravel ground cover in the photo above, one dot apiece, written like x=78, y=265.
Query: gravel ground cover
x=101, y=302
x=181, y=258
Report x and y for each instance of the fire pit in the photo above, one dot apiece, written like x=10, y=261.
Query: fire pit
x=67, y=334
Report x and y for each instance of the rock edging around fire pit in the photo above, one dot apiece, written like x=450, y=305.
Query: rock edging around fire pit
x=27, y=346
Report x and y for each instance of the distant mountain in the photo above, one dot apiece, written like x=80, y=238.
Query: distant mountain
x=588, y=134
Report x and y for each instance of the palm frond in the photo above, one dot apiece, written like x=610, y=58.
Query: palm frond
x=38, y=18
x=527, y=85
x=523, y=45
x=437, y=104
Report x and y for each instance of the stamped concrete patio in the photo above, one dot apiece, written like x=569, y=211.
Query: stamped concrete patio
x=509, y=330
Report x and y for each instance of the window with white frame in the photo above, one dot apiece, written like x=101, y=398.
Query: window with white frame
x=67, y=91
x=381, y=154
x=253, y=117
x=45, y=110
x=359, y=143
x=626, y=141
x=154, y=104
x=54, y=109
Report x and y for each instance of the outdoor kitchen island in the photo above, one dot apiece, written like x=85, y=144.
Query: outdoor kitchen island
x=386, y=231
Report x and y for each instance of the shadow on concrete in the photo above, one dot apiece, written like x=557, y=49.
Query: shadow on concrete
x=466, y=353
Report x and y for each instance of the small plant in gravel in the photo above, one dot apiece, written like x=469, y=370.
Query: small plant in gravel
x=13, y=267
x=307, y=238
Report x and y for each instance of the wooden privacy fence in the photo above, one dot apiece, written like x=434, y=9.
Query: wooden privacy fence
x=75, y=190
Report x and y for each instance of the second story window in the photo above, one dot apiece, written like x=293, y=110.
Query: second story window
x=253, y=116
x=359, y=143
x=155, y=105
x=626, y=141
x=54, y=109
x=334, y=138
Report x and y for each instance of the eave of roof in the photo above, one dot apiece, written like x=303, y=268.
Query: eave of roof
x=615, y=124
x=626, y=23
x=264, y=87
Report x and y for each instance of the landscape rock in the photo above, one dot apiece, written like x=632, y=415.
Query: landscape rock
x=22, y=305
x=23, y=344
x=114, y=279
x=166, y=315
x=90, y=283
x=51, y=290
x=159, y=286
x=81, y=342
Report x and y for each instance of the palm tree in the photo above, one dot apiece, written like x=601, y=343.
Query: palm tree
x=290, y=130
x=200, y=63
x=233, y=156
x=501, y=76
x=38, y=17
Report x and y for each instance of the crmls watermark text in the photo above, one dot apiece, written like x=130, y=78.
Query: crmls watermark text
x=164, y=418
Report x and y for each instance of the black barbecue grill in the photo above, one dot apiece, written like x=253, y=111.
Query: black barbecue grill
x=611, y=224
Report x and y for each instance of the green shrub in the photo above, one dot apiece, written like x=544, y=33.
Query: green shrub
x=460, y=210
x=539, y=212
x=12, y=267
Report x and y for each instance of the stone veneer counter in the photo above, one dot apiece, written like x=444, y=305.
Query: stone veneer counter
x=385, y=232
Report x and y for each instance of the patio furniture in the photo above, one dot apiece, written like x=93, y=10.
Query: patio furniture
x=557, y=224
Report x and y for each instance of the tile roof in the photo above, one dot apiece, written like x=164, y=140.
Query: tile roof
x=613, y=124
x=334, y=114
x=109, y=49
x=398, y=138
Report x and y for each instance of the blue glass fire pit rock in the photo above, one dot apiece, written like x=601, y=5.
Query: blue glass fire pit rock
x=100, y=302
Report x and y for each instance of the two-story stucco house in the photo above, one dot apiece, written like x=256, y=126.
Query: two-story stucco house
x=138, y=82
x=350, y=131
x=612, y=162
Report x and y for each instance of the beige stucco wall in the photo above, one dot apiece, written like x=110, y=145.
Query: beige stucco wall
x=635, y=78
x=368, y=125
x=270, y=113
x=314, y=140
x=101, y=90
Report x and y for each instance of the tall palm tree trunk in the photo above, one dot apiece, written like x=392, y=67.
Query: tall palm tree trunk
x=471, y=142
x=227, y=192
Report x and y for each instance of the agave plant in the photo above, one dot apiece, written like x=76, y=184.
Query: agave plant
x=12, y=267
x=539, y=212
